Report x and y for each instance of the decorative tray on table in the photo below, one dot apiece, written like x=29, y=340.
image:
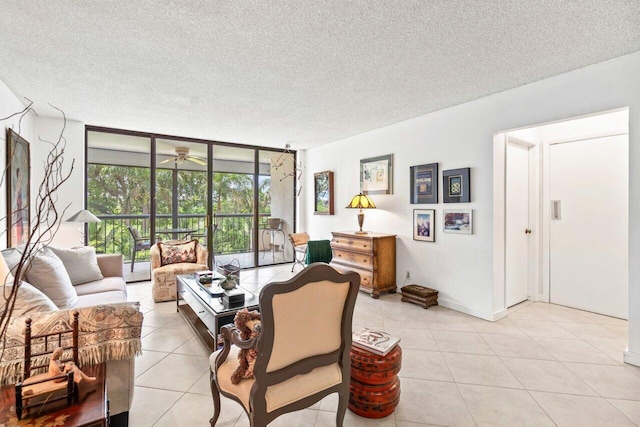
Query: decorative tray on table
x=209, y=283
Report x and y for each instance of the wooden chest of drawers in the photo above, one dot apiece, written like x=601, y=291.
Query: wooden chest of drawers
x=372, y=255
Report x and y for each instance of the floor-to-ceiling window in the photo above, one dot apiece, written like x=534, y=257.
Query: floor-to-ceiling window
x=118, y=193
x=227, y=196
x=181, y=188
x=234, y=201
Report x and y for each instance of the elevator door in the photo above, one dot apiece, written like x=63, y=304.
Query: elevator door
x=589, y=225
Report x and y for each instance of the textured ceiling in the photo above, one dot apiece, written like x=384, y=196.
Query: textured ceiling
x=304, y=71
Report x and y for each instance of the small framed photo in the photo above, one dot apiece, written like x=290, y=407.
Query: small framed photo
x=376, y=175
x=424, y=184
x=423, y=225
x=323, y=193
x=457, y=221
x=456, y=186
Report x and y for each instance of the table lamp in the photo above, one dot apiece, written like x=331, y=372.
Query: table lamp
x=83, y=216
x=361, y=201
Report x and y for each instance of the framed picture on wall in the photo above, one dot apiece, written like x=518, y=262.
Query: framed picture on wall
x=456, y=186
x=323, y=193
x=458, y=221
x=18, y=194
x=376, y=175
x=423, y=225
x=424, y=184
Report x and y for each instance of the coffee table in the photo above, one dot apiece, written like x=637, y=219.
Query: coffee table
x=204, y=310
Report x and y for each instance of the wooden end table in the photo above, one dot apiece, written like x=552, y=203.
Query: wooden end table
x=91, y=409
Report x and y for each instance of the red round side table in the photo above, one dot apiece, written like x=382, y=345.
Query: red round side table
x=375, y=388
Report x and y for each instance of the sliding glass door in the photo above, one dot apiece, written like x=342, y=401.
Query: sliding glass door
x=118, y=193
x=181, y=188
x=233, y=190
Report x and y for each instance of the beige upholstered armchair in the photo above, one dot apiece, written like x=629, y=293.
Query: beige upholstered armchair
x=169, y=259
x=302, y=351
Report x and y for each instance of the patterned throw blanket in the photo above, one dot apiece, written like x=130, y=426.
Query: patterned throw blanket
x=106, y=332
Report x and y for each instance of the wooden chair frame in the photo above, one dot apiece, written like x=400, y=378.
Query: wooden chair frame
x=258, y=415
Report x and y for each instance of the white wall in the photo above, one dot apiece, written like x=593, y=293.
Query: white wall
x=35, y=129
x=460, y=266
x=71, y=193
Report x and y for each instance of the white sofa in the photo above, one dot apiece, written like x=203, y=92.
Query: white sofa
x=102, y=304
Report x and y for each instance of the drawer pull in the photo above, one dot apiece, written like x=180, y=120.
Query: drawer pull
x=200, y=312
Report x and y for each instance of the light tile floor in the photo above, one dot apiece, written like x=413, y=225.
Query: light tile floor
x=542, y=365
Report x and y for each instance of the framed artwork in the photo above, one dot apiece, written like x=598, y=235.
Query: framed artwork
x=423, y=225
x=458, y=221
x=323, y=193
x=18, y=194
x=376, y=175
x=424, y=184
x=456, y=186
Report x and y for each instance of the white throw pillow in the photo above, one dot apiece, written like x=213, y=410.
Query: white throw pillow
x=47, y=273
x=81, y=264
x=29, y=300
x=12, y=257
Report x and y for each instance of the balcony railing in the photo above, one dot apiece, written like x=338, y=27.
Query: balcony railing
x=232, y=233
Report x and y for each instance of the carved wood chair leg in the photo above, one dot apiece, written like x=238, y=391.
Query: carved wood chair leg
x=216, y=401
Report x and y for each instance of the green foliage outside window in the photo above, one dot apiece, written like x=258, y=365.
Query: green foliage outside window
x=124, y=190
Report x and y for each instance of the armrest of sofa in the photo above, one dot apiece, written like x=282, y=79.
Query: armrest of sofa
x=111, y=265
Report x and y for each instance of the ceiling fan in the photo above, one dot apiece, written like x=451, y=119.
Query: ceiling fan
x=182, y=156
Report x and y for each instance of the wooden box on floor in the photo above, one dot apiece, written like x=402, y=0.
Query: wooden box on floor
x=420, y=295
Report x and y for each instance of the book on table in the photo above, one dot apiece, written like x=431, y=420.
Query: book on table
x=374, y=340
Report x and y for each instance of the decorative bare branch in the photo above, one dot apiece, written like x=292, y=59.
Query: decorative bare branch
x=47, y=216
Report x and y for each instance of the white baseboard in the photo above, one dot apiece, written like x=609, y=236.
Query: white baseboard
x=541, y=298
x=631, y=358
x=470, y=311
x=500, y=314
